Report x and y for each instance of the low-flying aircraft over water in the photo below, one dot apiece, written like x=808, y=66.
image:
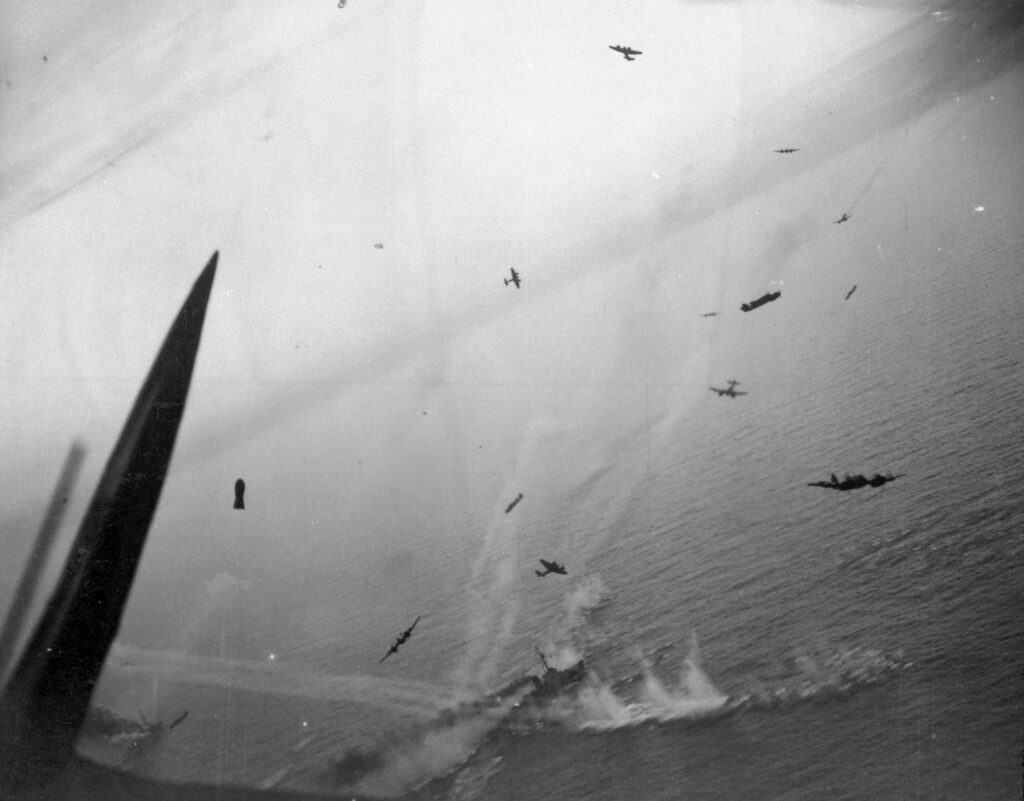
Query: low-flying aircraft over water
x=550, y=567
x=729, y=392
x=515, y=279
x=786, y=150
x=852, y=482
x=628, y=52
x=405, y=635
x=766, y=298
x=843, y=218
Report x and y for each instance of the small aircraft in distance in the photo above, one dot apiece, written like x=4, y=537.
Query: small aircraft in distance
x=551, y=567
x=767, y=298
x=515, y=279
x=786, y=150
x=730, y=392
x=710, y=314
x=852, y=290
x=405, y=635
x=845, y=216
x=628, y=52
x=512, y=505
x=855, y=482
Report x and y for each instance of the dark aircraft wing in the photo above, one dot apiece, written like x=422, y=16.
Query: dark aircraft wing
x=45, y=700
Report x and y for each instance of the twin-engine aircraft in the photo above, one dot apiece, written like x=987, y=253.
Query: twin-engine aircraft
x=730, y=392
x=405, y=635
x=550, y=567
x=515, y=279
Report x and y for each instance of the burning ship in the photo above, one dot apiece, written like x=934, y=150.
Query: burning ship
x=360, y=761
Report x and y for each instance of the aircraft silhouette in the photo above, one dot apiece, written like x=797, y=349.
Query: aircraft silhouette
x=845, y=216
x=628, y=52
x=730, y=392
x=239, y=494
x=767, y=298
x=852, y=482
x=405, y=635
x=787, y=150
x=551, y=567
x=512, y=505
x=852, y=290
x=710, y=314
x=515, y=279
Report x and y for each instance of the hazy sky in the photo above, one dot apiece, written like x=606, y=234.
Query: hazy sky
x=466, y=138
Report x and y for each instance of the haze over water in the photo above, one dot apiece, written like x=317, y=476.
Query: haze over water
x=384, y=405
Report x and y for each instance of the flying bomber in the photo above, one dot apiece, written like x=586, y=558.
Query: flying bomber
x=845, y=216
x=512, y=505
x=405, y=635
x=786, y=150
x=515, y=279
x=852, y=482
x=767, y=298
x=628, y=52
x=550, y=567
x=730, y=392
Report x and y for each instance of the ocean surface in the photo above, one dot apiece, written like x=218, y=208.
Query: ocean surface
x=745, y=635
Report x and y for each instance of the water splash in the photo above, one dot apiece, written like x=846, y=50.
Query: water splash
x=695, y=698
x=587, y=595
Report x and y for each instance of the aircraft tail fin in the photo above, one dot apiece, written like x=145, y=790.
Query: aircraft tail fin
x=46, y=697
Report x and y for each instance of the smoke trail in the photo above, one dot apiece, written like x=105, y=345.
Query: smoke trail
x=494, y=607
x=408, y=697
